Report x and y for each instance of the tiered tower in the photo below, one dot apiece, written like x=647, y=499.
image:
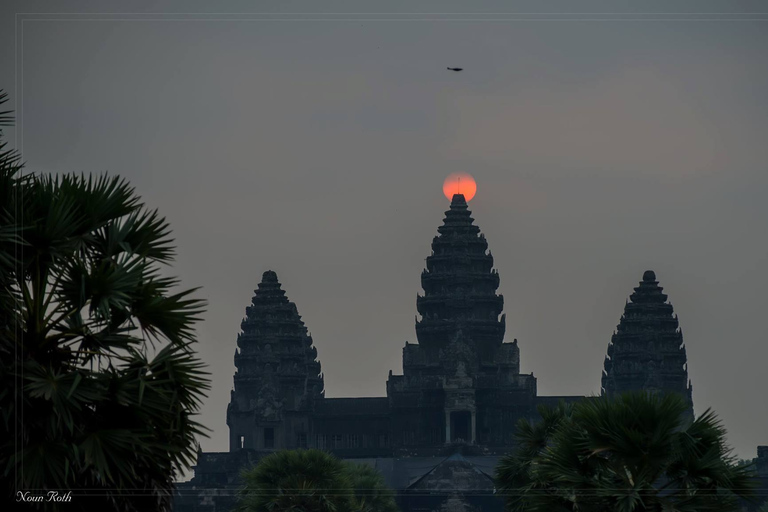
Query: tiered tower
x=647, y=352
x=460, y=286
x=461, y=383
x=278, y=376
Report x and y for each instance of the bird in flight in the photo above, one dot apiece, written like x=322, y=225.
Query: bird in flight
x=455, y=69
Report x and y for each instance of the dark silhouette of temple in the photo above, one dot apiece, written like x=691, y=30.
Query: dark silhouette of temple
x=278, y=380
x=647, y=349
x=461, y=382
x=444, y=424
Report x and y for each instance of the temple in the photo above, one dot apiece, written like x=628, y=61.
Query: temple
x=446, y=421
x=278, y=376
x=461, y=382
x=647, y=350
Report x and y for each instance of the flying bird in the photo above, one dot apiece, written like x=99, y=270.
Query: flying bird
x=454, y=69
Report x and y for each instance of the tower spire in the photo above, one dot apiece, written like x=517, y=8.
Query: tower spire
x=647, y=351
x=277, y=367
x=460, y=285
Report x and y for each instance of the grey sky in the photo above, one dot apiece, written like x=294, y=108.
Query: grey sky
x=318, y=148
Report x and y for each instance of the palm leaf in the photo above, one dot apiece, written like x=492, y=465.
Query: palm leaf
x=81, y=292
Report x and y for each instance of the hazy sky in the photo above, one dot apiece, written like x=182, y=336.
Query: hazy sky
x=603, y=145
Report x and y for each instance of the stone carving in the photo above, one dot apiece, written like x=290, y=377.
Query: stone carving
x=459, y=357
x=268, y=405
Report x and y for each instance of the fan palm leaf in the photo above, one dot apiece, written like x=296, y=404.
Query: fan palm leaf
x=632, y=453
x=82, y=302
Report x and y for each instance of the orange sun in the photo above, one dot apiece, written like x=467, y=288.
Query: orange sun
x=460, y=183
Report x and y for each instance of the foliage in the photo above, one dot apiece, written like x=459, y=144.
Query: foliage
x=371, y=492
x=297, y=480
x=633, y=453
x=313, y=481
x=514, y=471
x=99, y=381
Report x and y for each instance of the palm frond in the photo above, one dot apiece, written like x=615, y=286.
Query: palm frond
x=630, y=453
x=6, y=117
x=80, y=284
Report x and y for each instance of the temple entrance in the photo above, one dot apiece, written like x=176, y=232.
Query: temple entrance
x=461, y=426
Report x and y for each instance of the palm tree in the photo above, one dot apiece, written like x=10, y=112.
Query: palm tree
x=299, y=481
x=629, y=454
x=98, y=381
x=513, y=474
x=371, y=492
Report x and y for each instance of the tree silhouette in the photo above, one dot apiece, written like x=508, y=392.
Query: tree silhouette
x=633, y=453
x=99, y=381
x=313, y=481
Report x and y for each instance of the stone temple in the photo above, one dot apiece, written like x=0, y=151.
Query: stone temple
x=647, y=349
x=447, y=420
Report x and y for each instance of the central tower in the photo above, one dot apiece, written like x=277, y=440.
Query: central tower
x=460, y=287
x=461, y=383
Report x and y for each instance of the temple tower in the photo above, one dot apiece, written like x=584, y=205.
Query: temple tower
x=278, y=376
x=647, y=352
x=460, y=286
x=461, y=383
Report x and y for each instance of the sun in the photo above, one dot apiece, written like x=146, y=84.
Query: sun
x=460, y=183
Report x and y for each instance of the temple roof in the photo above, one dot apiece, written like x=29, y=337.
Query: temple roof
x=647, y=351
x=270, y=312
x=454, y=473
x=409, y=472
x=269, y=291
x=459, y=284
x=275, y=351
x=458, y=220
